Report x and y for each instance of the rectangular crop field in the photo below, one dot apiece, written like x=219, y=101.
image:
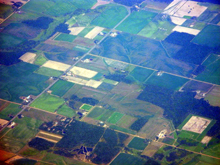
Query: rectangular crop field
x=140, y=74
x=49, y=136
x=115, y=117
x=48, y=72
x=28, y=57
x=94, y=32
x=100, y=114
x=66, y=111
x=128, y=159
x=47, y=102
x=65, y=37
x=138, y=143
x=56, y=65
x=83, y=72
x=61, y=87
x=126, y=121
x=86, y=107
x=11, y=109
x=136, y=21
x=110, y=17
x=214, y=96
x=167, y=81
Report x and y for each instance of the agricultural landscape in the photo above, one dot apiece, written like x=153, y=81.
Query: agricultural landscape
x=115, y=82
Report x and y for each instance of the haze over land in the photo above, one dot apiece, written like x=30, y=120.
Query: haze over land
x=109, y=82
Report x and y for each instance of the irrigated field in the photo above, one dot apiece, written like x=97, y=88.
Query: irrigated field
x=136, y=21
x=47, y=102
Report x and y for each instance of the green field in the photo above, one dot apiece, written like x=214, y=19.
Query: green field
x=48, y=72
x=159, y=28
x=66, y=111
x=110, y=17
x=61, y=87
x=65, y=37
x=85, y=31
x=140, y=74
x=167, y=81
x=115, y=117
x=109, y=81
x=185, y=121
x=17, y=80
x=127, y=159
x=8, y=40
x=126, y=121
x=212, y=70
x=136, y=21
x=209, y=36
x=115, y=127
x=100, y=114
x=188, y=134
x=168, y=140
x=138, y=143
x=5, y=10
x=86, y=107
x=51, y=7
x=40, y=60
x=47, y=102
x=12, y=109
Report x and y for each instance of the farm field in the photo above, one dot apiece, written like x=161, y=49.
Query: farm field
x=136, y=21
x=126, y=121
x=212, y=70
x=5, y=10
x=40, y=60
x=209, y=36
x=140, y=74
x=86, y=107
x=152, y=148
x=110, y=17
x=61, y=87
x=48, y=72
x=195, y=85
x=66, y=111
x=12, y=109
x=65, y=37
x=159, y=28
x=115, y=127
x=138, y=143
x=115, y=117
x=8, y=40
x=127, y=159
x=56, y=65
x=47, y=102
x=100, y=114
x=214, y=96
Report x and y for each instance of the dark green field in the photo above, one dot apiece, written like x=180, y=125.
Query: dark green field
x=136, y=21
x=168, y=141
x=127, y=159
x=115, y=127
x=5, y=10
x=12, y=109
x=138, y=143
x=209, y=36
x=48, y=72
x=8, y=40
x=66, y=111
x=212, y=70
x=61, y=87
x=17, y=80
x=110, y=17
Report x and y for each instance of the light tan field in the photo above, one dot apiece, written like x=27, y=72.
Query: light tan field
x=1, y=20
x=214, y=96
x=100, y=2
x=174, y=6
x=152, y=148
x=49, y=136
x=196, y=124
x=94, y=32
x=9, y=2
x=3, y=122
x=186, y=30
x=190, y=8
x=177, y=20
x=83, y=72
x=9, y=161
x=76, y=30
x=206, y=139
x=56, y=65
x=75, y=80
x=28, y=57
x=93, y=83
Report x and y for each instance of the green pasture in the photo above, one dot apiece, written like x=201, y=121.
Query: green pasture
x=138, y=143
x=100, y=114
x=188, y=134
x=167, y=81
x=12, y=109
x=61, y=87
x=47, y=102
x=185, y=121
x=159, y=28
x=8, y=40
x=65, y=37
x=126, y=121
x=212, y=70
x=66, y=111
x=140, y=74
x=115, y=117
x=209, y=36
x=17, y=80
x=48, y=72
x=86, y=107
x=136, y=21
x=110, y=17
x=168, y=140
x=40, y=60
x=115, y=127
x=127, y=159
x=5, y=10
x=213, y=150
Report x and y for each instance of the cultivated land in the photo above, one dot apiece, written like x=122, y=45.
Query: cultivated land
x=150, y=73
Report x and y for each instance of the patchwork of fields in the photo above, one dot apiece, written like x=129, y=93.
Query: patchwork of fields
x=117, y=82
